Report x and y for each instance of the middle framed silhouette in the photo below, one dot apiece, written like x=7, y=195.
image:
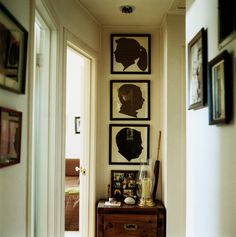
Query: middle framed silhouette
x=130, y=100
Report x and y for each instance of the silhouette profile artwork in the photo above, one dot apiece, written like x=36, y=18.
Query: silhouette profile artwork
x=129, y=143
x=131, y=99
x=128, y=50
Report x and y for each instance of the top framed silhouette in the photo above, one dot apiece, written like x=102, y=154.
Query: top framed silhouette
x=130, y=53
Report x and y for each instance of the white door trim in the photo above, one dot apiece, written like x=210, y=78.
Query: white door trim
x=48, y=218
x=90, y=143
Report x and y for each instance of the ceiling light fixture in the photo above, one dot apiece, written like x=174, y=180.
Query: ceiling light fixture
x=127, y=9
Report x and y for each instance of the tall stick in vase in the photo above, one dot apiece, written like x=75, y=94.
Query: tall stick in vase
x=156, y=168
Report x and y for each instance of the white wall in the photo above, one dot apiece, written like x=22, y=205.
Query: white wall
x=13, y=179
x=74, y=97
x=211, y=156
x=173, y=116
x=103, y=167
x=76, y=20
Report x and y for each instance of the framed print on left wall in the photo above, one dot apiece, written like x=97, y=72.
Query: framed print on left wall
x=197, y=70
x=13, y=52
x=10, y=136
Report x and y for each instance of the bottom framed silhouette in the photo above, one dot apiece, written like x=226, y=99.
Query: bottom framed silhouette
x=128, y=144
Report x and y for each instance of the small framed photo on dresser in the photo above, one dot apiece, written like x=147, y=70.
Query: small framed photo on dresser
x=123, y=183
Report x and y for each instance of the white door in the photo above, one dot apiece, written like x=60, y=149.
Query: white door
x=81, y=138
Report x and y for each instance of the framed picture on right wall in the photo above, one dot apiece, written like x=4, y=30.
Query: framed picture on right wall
x=227, y=21
x=220, y=89
x=197, y=70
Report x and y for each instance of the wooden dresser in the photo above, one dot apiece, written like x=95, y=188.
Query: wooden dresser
x=131, y=221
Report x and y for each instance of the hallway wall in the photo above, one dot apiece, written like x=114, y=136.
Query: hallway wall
x=211, y=154
x=173, y=117
x=13, y=179
x=104, y=103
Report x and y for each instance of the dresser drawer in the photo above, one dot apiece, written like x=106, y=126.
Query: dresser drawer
x=138, y=225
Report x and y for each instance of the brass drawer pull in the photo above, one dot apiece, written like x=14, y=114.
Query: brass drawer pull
x=130, y=226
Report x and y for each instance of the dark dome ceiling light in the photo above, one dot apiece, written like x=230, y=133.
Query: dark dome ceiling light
x=127, y=9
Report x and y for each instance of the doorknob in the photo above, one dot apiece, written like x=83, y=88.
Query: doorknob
x=80, y=169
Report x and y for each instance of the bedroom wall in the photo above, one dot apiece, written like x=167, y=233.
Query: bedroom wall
x=74, y=93
x=211, y=156
x=13, y=179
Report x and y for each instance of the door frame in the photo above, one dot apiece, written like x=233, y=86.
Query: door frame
x=48, y=216
x=90, y=144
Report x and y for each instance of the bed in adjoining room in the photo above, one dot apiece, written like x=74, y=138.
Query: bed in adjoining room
x=72, y=195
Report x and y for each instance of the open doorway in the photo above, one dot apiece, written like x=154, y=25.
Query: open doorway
x=77, y=144
x=74, y=144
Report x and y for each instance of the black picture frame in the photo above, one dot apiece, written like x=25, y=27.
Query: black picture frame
x=77, y=125
x=10, y=136
x=128, y=144
x=13, y=52
x=124, y=183
x=197, y=70
x=226, y=21
x=220, y=89
x=130, y=100
x=130, y=53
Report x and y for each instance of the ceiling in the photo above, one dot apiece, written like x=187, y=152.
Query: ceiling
x=146, y=13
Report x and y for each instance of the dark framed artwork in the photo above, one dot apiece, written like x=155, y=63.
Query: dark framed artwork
x=123, y=183
x=10, y=136
x=227, y=21
x=129, y=100
x=197, y=70
x=130, y=53
x=128, y=144
x=13, y=52
x=77, y=125
x=220, y=89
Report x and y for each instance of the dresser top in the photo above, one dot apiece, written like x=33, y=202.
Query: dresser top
x=124, y=208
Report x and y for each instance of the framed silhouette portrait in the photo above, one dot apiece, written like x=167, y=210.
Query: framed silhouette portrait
x=13, y=52
x=130, y=53
x=129, y=100
x=128, y=144
x=10, y=136
x=197, y=70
